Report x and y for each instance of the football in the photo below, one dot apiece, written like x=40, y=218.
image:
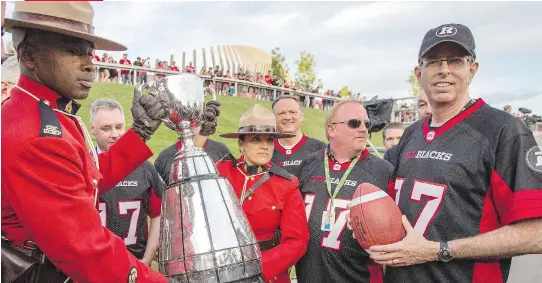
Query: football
x=376, y=219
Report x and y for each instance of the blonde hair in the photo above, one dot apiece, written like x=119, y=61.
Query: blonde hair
x=334, y=109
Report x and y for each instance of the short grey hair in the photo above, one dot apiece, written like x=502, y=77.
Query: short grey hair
x=104, y=103
x=17, y=37
x=10, y=70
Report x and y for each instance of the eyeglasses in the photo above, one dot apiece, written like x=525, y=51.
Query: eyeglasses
x=354, y=123
x=452, y=62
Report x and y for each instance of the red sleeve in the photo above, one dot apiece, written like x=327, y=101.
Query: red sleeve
x=295, y=235
x=391, y=188
x=155, y=205
x=516, y=181
x=122, y=159
x=61, y=217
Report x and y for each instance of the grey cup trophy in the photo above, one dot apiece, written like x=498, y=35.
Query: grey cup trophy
x=204, y=234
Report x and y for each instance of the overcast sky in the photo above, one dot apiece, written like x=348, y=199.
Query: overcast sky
x=369, y=47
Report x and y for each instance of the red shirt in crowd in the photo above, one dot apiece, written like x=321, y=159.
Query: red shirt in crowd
x=160, y=67
x=268, y=79
x=174, y=68
x=125, y=62
x=190, y=69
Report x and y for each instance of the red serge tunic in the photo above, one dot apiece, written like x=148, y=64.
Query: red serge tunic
x=48, y=186
x=276, y=204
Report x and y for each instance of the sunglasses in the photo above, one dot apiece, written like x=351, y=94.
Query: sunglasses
x=354, y=123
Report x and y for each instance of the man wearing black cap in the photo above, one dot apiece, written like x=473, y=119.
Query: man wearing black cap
x=468, y=178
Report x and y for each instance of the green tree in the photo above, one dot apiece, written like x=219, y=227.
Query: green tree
x=278, y=65
x=414, y=85
x=306, y=77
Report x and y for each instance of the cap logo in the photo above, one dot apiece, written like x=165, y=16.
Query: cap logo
x=445, y=31
x=534, y=159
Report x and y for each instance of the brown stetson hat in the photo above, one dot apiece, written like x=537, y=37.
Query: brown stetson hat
x=64, y=17
x=257, y=121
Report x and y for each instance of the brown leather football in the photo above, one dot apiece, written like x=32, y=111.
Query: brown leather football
x=376, y=219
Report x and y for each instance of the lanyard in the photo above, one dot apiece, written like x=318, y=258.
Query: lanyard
x=341, y=182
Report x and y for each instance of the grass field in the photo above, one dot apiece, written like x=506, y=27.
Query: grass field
x=231, y=110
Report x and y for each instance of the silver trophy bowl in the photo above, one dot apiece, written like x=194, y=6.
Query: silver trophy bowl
x=204, y=234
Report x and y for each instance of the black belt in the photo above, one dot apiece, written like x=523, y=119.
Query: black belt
x=268, y=244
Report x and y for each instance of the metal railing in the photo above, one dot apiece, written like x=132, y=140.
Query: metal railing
x=274, y=89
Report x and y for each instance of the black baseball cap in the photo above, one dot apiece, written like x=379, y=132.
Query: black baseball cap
x=457, y=33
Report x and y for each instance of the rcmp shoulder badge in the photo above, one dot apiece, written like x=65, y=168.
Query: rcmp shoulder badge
x=132, y=276
x=49, y=123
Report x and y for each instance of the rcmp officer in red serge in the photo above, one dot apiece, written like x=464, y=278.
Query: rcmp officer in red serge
x=50, y=182
x=269, y=195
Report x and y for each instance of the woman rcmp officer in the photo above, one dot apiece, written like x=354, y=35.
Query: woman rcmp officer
x=268, y=194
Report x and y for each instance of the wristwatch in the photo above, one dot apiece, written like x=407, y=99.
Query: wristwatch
x=445, y=254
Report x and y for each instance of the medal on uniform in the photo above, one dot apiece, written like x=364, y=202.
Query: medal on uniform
x=288, y=151
x=328, y=220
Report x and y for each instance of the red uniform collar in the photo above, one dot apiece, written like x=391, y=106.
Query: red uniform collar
x=42, y=92
x=295, y=148
x=342, y=166
x=432, y=134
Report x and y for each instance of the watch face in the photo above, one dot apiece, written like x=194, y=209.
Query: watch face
x=445, y=256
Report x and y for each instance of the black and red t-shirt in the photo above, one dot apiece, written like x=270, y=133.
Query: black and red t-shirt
x=290, y=158
x=476, y=173
x=335, y=256
x=124, y=209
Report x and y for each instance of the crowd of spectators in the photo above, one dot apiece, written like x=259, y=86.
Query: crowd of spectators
x=260, y=87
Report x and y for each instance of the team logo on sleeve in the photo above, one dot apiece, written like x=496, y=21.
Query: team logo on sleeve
x=132, y=276
x=533, y=158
